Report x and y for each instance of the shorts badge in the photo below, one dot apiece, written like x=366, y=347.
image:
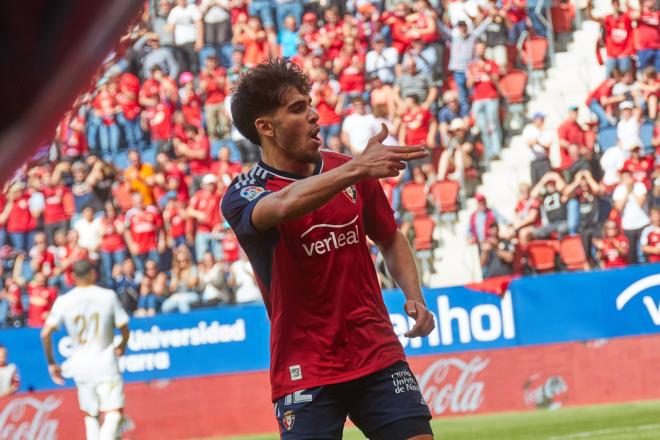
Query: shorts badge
x=251, y=192
x=288, y=420
x=351, y=193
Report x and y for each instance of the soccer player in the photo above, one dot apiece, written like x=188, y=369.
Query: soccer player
x=303, y=215
x=90, y=315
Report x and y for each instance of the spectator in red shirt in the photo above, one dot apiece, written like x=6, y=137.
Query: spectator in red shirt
x=41, y=298
x=129, y=117
x=418, y=127
x=19, y=218
x=571, y=135
x=174, y=222
x=103, y=130
x=639, y=166
x=328, y=103
x=143, y=233
x=483, y=77
x=113, y=248
x=648, y=36
x=12, y=294
x=204, y=209
x=650, y=240
x=59, y=204
x=224, y=168
x=196, y=152
x=612, y=250
x=191, y=102
x=601, y=97
x=213, y=84
x=42, y=258
x=618, y=35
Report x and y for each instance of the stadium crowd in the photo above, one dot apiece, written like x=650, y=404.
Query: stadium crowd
x=137, y=170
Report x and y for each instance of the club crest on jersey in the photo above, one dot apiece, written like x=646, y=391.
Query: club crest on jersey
x=288, y=420
x=251, y=192
x=351, y=193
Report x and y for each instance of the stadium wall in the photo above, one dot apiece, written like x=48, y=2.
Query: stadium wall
x=551, y=341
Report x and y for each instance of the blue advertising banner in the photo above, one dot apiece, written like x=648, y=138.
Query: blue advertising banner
x=538, y=310
x=577, y=306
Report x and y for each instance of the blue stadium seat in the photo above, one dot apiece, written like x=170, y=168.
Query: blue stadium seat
x=606, y=138
x=121, y=159
x=646, y=133
x=149, y=155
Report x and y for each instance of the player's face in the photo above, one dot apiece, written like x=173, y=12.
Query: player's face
x=295, y=128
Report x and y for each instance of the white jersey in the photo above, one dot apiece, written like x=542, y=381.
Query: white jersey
x=90, y=315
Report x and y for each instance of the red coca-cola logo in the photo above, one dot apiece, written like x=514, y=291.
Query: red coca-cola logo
x=27, y=418
x=451, y=385
x=545, y=392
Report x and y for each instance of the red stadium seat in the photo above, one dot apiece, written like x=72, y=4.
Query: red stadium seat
x=513, y=86
x=413, y=198
x=423, y=226
x=541, y=255
x=445, y=195
x=534, y=50
x=571, y=252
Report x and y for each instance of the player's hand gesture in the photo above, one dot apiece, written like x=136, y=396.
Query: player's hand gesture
x=424, y=322
x=378, y=161
x=55, y=373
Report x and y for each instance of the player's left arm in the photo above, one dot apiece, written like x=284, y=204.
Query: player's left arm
x=381, y=228
x=121, y=348
x=401, y=264
x=53, y=368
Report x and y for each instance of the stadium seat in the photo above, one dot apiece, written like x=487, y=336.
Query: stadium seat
x=606, y=138
x=571, y=253
x=534, y=51
x=513, y=86
x=413, y=198
x=423, y=226
x=445, y=195
x=148, y=155
x=121, y=159
x=646, y=134
x=541, y=255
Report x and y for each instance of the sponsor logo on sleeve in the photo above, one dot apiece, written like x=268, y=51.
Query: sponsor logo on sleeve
x=251, y=192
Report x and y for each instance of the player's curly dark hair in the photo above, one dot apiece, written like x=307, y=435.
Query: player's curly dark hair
x=260, y=91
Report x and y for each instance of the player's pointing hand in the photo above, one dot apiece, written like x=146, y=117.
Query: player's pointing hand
x=378, y=161
x=424, y=322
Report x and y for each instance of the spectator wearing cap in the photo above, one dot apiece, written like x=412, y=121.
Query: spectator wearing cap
x=326, y=99
x=156, y=55
x=614, y=248
x=619, y=41
x=143, y=232
x=481, y=221
x=415, y=82
x=554, y=212
x=462, y=51
x=482, y=78
x=214, y=87
x=287, y=37
x=191, y=101
x=648, y=35
x=185, y=20
x=204, y=210
x=629, y=125
x=309, y=31
x=358, y=127
x=381, y=60
x=629, y=199
x=216, y=19
x=129, y=116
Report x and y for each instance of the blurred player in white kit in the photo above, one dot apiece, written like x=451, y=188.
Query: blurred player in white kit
x=90, y=314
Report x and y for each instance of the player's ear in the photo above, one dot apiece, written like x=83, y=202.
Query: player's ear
x=265, y=126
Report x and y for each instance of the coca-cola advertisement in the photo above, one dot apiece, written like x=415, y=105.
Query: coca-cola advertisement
x=517, y=379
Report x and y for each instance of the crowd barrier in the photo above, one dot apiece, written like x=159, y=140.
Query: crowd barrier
x=554, y=340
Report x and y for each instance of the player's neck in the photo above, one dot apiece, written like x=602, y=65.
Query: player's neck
x=277, y=159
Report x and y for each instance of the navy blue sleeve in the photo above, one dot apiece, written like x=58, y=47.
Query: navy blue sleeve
x=238, y=203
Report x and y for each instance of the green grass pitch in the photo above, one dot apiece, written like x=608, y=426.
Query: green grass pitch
x=630, y=421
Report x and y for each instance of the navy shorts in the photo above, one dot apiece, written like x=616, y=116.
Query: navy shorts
x=385, y=405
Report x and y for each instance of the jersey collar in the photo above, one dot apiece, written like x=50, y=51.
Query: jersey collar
x=287, y=175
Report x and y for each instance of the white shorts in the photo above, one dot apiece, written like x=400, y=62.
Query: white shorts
x=100, y=396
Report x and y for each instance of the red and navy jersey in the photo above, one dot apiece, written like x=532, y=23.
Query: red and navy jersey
x=328, y=320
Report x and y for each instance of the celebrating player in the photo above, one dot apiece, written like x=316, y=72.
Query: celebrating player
x=303, y=217
x=90, y=315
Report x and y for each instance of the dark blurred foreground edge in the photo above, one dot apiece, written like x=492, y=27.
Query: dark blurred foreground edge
x=49, y=53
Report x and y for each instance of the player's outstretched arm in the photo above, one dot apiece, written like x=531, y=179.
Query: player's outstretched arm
x=401, y=264
x=302, y=197
x=53, y=368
